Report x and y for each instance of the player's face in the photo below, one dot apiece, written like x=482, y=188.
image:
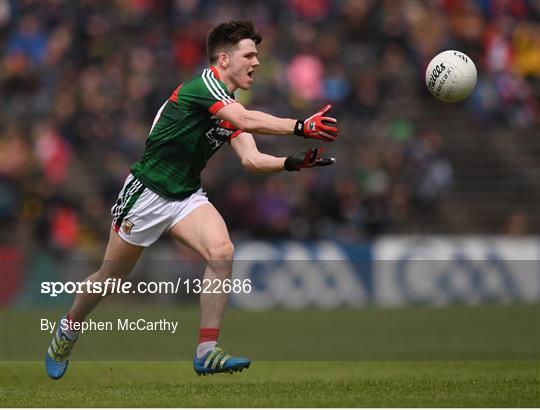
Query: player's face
x=242, y=63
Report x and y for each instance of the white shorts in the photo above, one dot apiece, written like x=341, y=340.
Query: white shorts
x=140, y=216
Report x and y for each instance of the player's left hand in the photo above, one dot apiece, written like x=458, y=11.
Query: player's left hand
x=318, y=126
x=312, y=157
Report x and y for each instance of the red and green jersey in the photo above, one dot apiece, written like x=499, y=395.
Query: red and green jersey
x=184, y=135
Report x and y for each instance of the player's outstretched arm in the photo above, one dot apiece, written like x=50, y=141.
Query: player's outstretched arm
x=252, y=159
x=257, y=162
x=317, y=126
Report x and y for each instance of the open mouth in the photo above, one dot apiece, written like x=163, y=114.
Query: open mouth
x=250, y=74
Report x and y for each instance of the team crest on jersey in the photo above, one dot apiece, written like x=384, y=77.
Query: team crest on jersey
x=127, y=226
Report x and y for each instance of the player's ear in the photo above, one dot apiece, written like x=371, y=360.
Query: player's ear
x=223, y=60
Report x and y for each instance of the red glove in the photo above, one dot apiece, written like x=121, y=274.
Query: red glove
x=312, y=157
x=318, y=126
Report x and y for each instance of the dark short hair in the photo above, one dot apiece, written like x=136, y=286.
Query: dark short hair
x=230, y=34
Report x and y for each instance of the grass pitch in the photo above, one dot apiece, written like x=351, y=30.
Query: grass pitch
x=483, y=356
x=275, y=384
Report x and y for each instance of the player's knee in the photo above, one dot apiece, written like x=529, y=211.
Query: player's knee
x=221, y=252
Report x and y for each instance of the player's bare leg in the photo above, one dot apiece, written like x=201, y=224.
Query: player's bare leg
x=119, y=260
x=204, y=231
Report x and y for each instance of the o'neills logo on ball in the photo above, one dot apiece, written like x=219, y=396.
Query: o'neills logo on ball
x=461, y=56
x=435, y=73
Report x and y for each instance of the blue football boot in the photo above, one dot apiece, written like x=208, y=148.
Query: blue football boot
x=56, y=361
x=219, y=361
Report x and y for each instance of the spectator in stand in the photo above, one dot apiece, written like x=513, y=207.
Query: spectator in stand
x=81, y=80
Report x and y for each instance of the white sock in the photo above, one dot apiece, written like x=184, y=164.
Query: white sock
x=205, y=347
x=71, y=335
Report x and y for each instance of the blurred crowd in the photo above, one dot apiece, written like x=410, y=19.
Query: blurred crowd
x=82, y=80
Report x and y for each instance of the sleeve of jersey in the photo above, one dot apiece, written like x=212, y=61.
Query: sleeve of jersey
x=229, y=126
x=208, y=93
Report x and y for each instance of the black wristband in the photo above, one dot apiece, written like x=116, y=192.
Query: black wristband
x=299, y=128
x=288, y=165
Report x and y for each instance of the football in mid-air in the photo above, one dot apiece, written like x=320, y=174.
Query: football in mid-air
x=451, y=76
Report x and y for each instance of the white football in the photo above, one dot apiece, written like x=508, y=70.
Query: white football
x=451, y=76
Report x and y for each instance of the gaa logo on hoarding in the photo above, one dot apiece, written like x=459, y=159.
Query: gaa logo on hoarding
x=442, y=270
x=295, y=276
x=457, y=280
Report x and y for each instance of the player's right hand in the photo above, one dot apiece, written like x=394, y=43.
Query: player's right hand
x=312, y=157
x=318, y=126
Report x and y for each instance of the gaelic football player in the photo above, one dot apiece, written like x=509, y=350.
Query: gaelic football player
x=163, y=193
